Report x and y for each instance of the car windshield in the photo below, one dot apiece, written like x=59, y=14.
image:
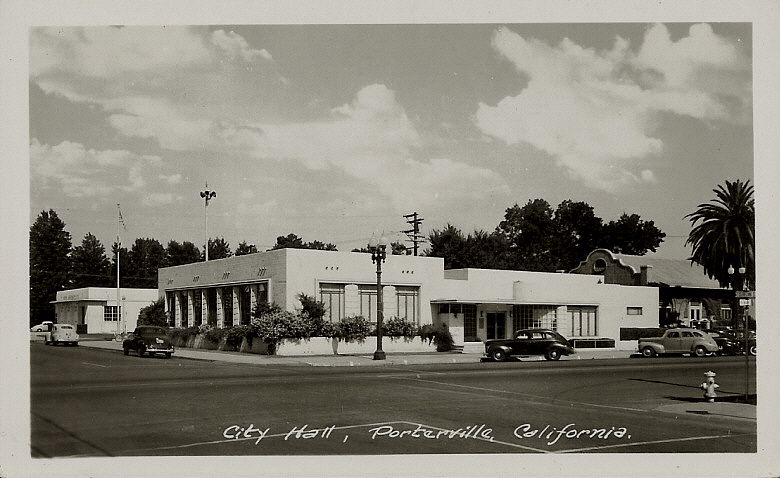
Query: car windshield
x=151, y=331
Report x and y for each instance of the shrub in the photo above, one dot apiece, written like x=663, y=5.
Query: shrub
x=183, y=334
x=328, y=329
x=154, y=314
x=354, y=329
x=275, y=327
x=264, y=308
x=311, y=307
x=234, y=335
x=439, y=335
x=214, y=334
x=399, y=327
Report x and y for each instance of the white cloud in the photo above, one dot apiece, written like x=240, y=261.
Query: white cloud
x=159, y=199
x=81, y=172
x=237, y=47
x=172, y=179
x=593, y=111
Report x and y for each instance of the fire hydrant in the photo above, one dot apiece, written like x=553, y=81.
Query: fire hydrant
x=709, y=386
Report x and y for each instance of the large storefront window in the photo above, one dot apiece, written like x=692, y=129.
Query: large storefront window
x=470, y=323
x=584, y=321
x=408, y=301
x=527, y=316
x=332, y=295
x=227, y=306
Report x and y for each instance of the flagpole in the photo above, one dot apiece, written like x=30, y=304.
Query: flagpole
x=118, y=247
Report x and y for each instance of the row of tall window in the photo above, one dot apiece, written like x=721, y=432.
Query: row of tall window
x=405, y=304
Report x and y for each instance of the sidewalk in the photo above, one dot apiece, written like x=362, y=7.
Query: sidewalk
x=347, y=360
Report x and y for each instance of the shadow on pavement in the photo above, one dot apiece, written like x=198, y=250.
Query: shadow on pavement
x=752, y=399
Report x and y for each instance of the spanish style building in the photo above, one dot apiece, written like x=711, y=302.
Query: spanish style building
x=686, y=294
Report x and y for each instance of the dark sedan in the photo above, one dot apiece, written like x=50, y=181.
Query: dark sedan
x=528, y=342
x=733, y=343
x=150, y=340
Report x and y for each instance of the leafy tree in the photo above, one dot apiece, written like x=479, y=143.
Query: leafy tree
x=631, y=235
x=448, y=243
x=576, y=232
x=154, y=314
x=723, y=233
x=292, y=241
x=396, y=249
x=244, y=248
x=89, y=265
x=218, y=249
x=146, y=256
x=529, y=232
x=177, y=253
x=50, y=247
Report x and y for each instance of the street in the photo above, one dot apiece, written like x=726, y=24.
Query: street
x=88, y=403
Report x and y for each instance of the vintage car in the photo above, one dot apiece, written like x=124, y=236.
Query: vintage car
x=42, y=327
x=529, y=342
x=679, y=340
x=148, y=339
x=61, y=334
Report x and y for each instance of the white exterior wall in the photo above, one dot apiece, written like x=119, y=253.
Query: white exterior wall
x=289, y=272
x=69, y=303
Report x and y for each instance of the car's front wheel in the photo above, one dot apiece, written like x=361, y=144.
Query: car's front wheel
x=553, y=354
x=700, y=351
x=498, y=355
x=167, y=355
x=125, y=350
x=753, y=350
x=648, y=352
x=141, y=351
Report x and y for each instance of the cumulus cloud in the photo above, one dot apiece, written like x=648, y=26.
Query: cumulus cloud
x=237, y=47
x=593, y=111
x=80, y=172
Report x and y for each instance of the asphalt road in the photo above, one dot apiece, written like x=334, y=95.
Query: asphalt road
x=88, y=403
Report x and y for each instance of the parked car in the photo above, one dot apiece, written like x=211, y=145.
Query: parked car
x=740, y=336
x=545, y=342
x=148, y=339
x=727, y=343
x=679, y=341
x=42, y=327
x=62, y=334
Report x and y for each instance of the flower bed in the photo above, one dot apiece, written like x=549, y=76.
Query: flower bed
x=330, y=346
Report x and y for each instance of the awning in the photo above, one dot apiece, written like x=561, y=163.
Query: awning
x=507, y=302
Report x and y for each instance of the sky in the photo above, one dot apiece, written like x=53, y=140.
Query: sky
x=334, y=132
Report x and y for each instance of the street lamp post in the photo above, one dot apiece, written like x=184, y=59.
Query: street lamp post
x=739, y=284
x=207, y=195
x=378, y=256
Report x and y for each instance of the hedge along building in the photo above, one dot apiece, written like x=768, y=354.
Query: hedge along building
x=475, y=304
x=93, y=310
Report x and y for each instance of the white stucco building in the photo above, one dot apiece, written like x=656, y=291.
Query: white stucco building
x=93, y=310
x=476, y=304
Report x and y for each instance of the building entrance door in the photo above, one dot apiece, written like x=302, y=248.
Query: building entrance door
x=496, y=325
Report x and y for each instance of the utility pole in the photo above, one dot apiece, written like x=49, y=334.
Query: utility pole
x=414, y=232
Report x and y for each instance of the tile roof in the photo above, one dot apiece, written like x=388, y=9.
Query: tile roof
x=671, y=272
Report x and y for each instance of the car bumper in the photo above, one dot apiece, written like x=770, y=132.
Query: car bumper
x=159, y=350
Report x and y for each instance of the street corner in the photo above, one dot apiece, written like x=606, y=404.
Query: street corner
x=724, y=407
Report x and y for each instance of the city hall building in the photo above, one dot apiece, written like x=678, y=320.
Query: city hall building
x=475, y=304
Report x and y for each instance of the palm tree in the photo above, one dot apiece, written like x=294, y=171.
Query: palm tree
x=723, y=235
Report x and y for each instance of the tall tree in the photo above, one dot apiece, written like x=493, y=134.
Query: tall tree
x=723, y=233
x=244, y=248
x=449, y=243
x=631, y=235
x=292, y=241
x=89, y=265
x=218, y=249
x=146, y=256
x=177, y=253
x=529, y=232
x=124, y=266
x=576, y=233
x=50, y=247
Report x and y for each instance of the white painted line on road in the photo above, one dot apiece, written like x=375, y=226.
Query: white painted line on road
x=546, y=399
x=95, y=364
x=653, y=442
